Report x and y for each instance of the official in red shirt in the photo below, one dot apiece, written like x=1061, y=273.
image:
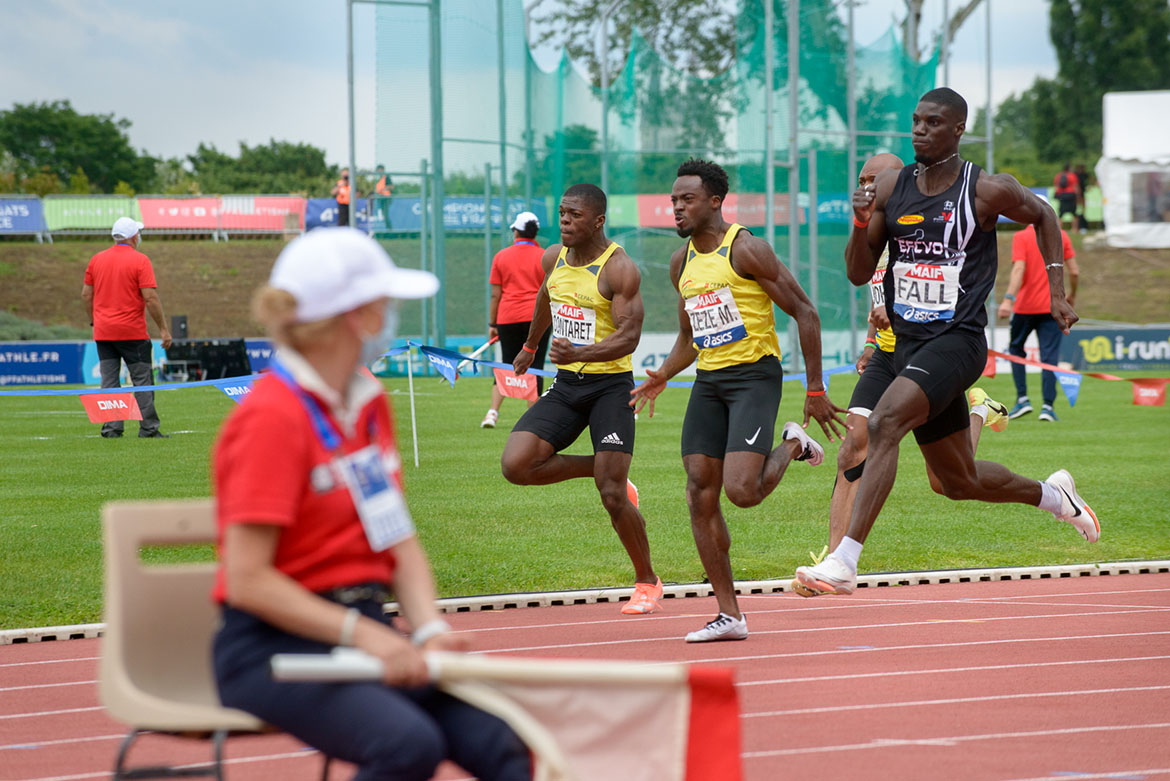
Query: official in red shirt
x=1028, y=302
x=515, y=278
x=314, y=530
x=119, y=288
x=1067, y=187
x=340, y=192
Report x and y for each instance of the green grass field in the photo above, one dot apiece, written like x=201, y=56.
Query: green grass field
x=487, y=536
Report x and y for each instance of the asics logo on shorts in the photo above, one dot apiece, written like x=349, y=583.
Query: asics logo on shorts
x=612, y=439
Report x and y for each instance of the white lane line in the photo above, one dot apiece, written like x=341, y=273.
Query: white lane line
x=944, y=670
x=49, y=713
x=34, y=744
x=1116, y=775
x=912, y=647
x=52, y=661
x=951, y=701
x=1062, y=604
x=306, y=752
x=951, y=741
x=847, y=628
x=45, y=686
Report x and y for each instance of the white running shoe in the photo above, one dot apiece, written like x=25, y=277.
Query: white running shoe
x=811, y=451
x=489, y=420
x=722, y=627
x=831, y=576
x=1073, y=509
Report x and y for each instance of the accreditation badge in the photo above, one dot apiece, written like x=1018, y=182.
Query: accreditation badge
x=380, y=505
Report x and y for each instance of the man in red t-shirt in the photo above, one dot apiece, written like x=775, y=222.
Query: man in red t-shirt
x=1027, y=301
x=516, y=278
x=1067, y=187
x=119, y=287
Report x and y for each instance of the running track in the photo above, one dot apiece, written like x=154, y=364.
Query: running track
x=1026, y=679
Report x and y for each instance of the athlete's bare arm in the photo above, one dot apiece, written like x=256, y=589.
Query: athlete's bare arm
x=681, y=355
x=865, y=245
x=997, y=194
x=541, y=312
x=621, y=279
x=751, y=257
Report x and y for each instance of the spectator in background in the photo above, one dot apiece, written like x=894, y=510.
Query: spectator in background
x=1028, y=302
x=516, y=278
x=1081, y=224
x=314, y=530
x=341, y=193
x=383, y=192
x=119, y=288
x=1067, y=193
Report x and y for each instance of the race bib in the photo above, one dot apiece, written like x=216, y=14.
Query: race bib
x=925, y=292
x=715, y=319
x=376, y=497
x=877, y=288
x=575, y=323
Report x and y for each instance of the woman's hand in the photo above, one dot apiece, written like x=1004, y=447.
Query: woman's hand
x=402, y=663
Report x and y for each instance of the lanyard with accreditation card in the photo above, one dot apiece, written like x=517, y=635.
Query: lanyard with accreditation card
x=375, y=495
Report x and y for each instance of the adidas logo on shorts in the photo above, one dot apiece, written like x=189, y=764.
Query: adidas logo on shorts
x=612, y=439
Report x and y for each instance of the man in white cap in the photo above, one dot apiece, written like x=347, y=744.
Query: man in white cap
x=119, y=288
x=516, y=278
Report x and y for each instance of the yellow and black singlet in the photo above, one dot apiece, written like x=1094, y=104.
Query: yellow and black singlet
x=580, y=313
x=877, y=294
x=731, y=317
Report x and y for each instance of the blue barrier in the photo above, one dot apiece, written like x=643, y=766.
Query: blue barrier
x=41, y=363
x=22, y=216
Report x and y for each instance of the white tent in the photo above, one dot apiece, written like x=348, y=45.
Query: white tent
x=1135, y=170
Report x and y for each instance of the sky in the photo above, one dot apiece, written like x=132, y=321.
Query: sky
x=223, y=72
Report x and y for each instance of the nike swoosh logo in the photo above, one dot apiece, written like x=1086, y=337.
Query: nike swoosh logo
x=915, y=368
x=752, y=441
x=1074, y=504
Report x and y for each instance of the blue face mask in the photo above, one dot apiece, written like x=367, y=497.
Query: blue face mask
x=374, y=346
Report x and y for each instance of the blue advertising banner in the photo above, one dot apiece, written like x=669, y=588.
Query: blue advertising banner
x=41, y=363
x=1117, y=349
x=405, y=214
x=22, y=215
x=259, y=354
x=322, y=212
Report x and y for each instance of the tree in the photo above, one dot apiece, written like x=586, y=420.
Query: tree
x=53, y=139
x=275, y=167
x=913, y=18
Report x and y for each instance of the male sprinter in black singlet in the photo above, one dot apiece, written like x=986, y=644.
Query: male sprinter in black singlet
x=591, y=296
x=939, y=217
x=728, y=280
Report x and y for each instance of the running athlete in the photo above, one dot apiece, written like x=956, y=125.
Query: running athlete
x=876, y=366
x=938, y=217
x=591, y=297
x=727, y=281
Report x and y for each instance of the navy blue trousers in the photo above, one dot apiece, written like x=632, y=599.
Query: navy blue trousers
x=1048, y=335
x=389, y=733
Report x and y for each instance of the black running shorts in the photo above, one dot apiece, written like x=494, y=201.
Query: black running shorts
x=512, y=337
x=733, y=409
x=944, y=367
x=572, y=402
x=878, y=375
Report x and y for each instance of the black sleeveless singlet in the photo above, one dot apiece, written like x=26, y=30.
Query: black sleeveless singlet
x=942, y=263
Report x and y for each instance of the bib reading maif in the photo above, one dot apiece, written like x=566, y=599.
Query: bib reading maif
x=925, y=292
x=715, y=319
x=376, y=497
x=576, y=323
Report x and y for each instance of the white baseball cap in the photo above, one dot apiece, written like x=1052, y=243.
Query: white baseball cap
x=522, y=220
x=125, y=228
x=333, y=270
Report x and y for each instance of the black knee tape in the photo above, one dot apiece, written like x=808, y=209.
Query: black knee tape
x=853, y=473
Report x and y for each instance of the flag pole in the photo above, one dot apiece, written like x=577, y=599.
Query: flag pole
x=410, y=381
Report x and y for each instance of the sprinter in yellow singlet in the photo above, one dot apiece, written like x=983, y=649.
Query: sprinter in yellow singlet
x=591, y=297
x=728, y=281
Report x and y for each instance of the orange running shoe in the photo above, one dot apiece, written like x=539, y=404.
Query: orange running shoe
x=632, y=493
x=645, y=599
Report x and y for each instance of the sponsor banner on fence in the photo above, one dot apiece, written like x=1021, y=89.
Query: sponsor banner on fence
x=189, y=214
x=87, y=212
x=41, y=363
x=261, y=213
x=655, y=211
x=404, y=215
x=1126, y=349
x=22, y=215
x=259, y=354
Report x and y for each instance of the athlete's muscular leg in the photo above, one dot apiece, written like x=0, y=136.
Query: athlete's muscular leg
x=974, y=432
x=902, y=407
x=529, y=460
x=704, y=479
x=850, y=460
x=962, y=477
x=610, y=471
x=749, y=477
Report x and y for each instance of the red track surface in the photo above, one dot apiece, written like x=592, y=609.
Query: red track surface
x=1062, y=678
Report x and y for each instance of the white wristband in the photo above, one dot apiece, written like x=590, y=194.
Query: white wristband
x=348, y=624
x=430, y=629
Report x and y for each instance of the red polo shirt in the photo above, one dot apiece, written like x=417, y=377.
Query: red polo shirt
x=518, y=272
x=118, y=275
x=1034, y=298
x=270, y=467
